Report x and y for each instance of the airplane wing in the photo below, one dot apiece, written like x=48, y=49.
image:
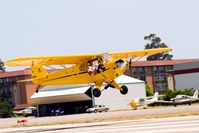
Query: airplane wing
x=75, y=59
x=51, y=60
x=138, y=53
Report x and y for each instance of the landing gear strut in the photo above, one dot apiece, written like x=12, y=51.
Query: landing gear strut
x=96, y=92
x=107, y=86
x=37, y=90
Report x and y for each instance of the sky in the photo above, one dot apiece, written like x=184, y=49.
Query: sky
x=60, y=27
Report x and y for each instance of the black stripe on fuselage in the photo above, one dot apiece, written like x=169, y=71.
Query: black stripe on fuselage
x=67, y=76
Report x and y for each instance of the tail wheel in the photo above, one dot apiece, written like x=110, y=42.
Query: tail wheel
x=124, y=90
x=96, y=92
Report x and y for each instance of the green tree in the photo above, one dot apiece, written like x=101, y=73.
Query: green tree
x=6, y=109
x=168, y=95
x=2, y=68
x=155, y=42
x=148, y=90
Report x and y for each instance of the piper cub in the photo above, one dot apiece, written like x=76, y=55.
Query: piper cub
x=83, y=68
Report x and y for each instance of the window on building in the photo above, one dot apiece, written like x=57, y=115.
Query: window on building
x=160, y=78
x=139, y=73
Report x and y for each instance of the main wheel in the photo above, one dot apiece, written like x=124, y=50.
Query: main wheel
x=124, y=90
x=96, y=92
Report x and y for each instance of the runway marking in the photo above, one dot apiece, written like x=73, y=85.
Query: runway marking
x=167, y=125
x=136, y=129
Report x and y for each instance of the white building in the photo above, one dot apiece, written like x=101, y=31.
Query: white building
x=76, y=99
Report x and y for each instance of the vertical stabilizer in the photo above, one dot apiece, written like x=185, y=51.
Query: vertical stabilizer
x=155, y=97
x=195, y=95
x=38, y=72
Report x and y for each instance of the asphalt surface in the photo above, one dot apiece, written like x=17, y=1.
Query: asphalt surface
x=183, y=124
x=85, y=118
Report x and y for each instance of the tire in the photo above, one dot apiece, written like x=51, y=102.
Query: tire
x=124, y=90
x=96, y=92
x=106, y=110
x=95, y=111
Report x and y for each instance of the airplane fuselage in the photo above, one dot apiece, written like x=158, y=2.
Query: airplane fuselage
x=78, y=74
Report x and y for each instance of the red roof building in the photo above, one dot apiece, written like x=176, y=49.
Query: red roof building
x=159, y=74
x=18, y=93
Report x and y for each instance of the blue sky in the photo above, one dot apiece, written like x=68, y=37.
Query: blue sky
x=57, y=27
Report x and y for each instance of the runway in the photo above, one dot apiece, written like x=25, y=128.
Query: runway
x=97, y=117
x=184, y=124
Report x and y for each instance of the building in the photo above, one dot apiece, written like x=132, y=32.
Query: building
x=163, y=75
x=186, y=75
x=18, y=93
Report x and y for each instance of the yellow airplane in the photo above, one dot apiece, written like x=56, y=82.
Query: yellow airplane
x=144, y=101
x=84, y=68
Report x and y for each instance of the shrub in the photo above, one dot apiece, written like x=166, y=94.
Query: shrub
x=6, y=109
x=148, y=90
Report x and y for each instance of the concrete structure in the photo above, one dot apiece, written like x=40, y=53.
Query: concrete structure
x=76, y=99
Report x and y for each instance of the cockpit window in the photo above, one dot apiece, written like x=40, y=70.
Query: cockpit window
x=95, y=66
x=106, y=57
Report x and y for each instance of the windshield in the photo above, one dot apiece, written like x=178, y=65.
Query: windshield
x=107, y=57
x=95, y=106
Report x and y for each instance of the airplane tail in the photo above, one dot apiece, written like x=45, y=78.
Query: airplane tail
x=195, y=95
x=38, y=72
x=155, y=97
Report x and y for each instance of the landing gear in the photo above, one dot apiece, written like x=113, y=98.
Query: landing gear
x=37, y=90
x=124, y=90
x=107, y=86
x=96, y=92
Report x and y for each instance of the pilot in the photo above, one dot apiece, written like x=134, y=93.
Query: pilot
x=95, y=66
x=100, y=66
x=90, y=68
